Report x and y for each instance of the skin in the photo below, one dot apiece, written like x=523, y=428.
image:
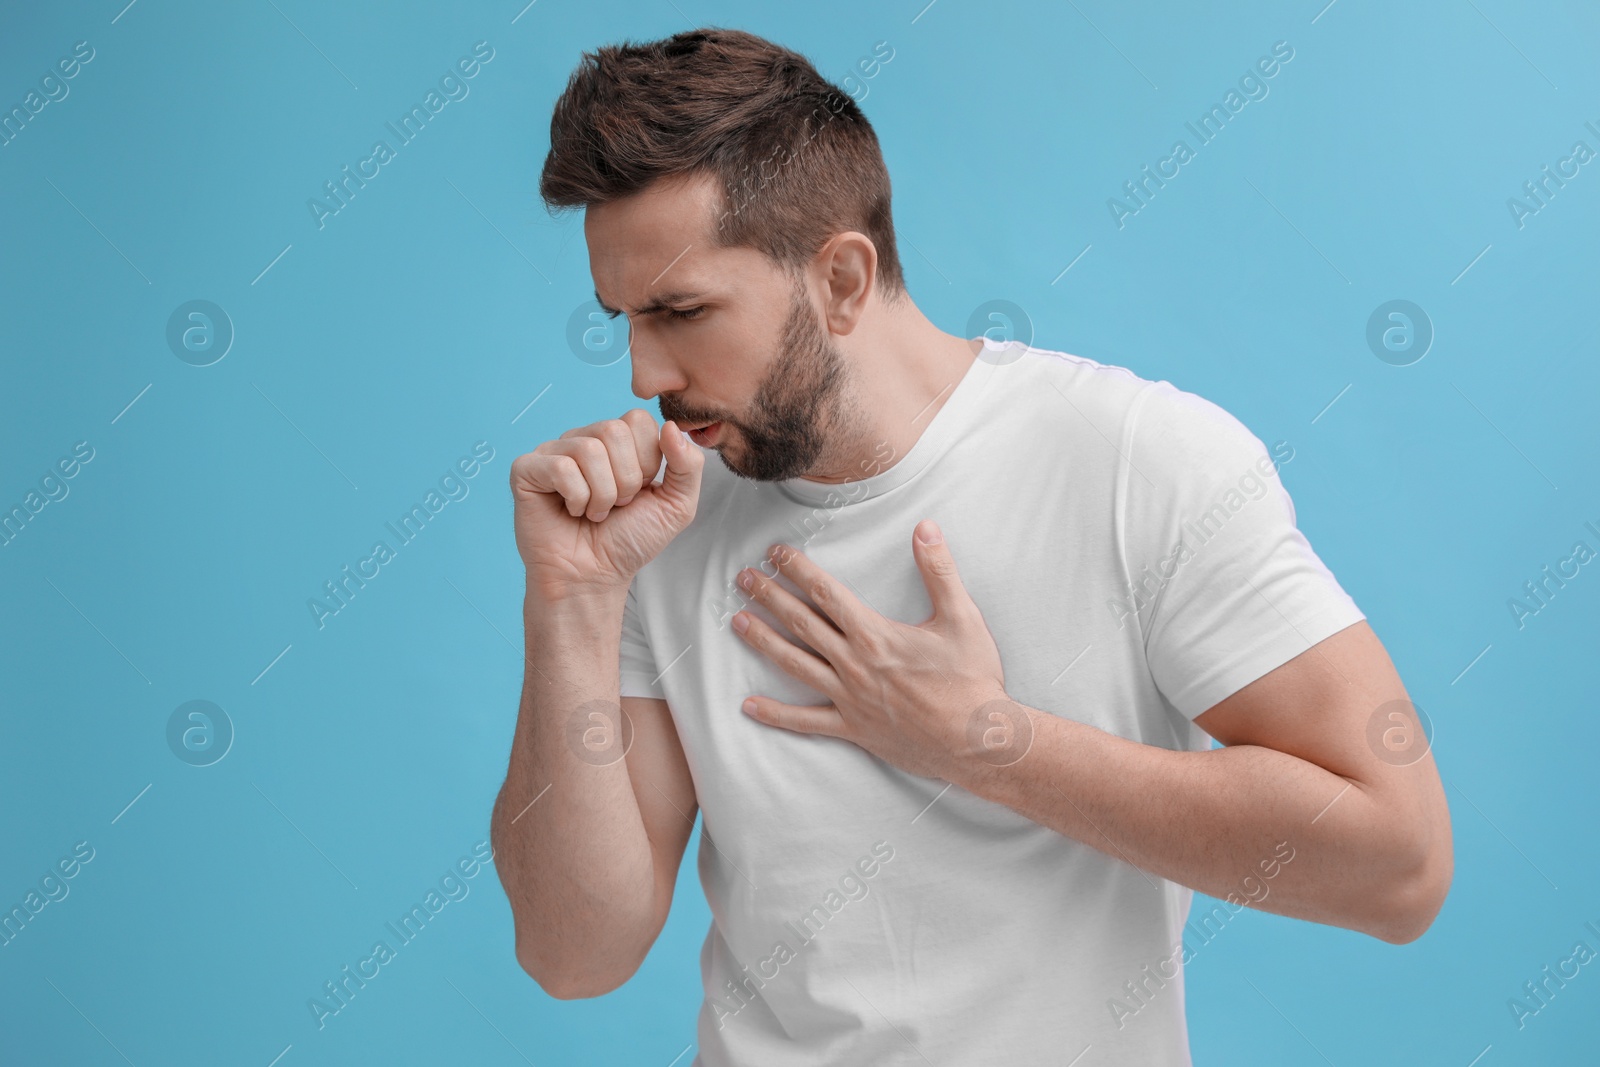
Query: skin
x=808, y=371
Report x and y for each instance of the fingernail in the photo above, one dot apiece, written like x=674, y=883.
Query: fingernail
x=928, y=532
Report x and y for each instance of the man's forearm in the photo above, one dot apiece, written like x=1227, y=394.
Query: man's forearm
x=1210, y=820
x=570, y=845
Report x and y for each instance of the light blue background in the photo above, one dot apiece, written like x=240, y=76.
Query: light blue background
x=430, y=312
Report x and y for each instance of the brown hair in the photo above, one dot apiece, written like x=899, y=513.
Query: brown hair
x=797, y=159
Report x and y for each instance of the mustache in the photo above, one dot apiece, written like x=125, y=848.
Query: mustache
x=681, y=416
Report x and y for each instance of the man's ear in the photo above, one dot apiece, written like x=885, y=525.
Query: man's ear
x=849, y=265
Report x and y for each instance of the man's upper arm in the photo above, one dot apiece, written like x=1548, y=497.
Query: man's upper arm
x=664, y=790
x=1342, y=706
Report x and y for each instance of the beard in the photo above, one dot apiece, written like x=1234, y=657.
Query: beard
x=799, y=399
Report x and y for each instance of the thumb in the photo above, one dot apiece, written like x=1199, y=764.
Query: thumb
x=939, y=574
x=685, y=461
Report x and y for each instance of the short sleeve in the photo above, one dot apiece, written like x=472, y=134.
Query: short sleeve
x=638, y=664
x=1220, y=580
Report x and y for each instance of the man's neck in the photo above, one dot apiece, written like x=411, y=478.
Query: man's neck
x=902, y=371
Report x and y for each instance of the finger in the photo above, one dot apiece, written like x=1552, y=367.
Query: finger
x=593, y=460
x=685, y=462
x=620, y=456
x=796, y=717
x=646, y=446
x=628, y=467
x=543, y=472
x=830, y=595
x=798, y=617
x=939, y=574
x=796, y=662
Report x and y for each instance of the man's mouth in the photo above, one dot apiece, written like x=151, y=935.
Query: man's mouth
x=706, y=435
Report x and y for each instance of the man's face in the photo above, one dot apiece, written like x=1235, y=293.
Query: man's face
x=753, y=356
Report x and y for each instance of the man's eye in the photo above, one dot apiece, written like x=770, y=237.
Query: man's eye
x=689, y=313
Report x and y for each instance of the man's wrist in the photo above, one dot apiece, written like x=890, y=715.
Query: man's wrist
x=996, y=733
x=572, y=618
x=565, y=596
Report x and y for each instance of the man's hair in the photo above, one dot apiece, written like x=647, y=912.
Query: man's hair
x=796, y=158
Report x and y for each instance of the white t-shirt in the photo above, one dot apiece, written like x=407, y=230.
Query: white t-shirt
x=1136, y=559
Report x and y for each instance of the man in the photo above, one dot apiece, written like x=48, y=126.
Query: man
x=992, y=603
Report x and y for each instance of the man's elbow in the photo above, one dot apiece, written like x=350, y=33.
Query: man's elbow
x=1418, y=894
x=568, y=983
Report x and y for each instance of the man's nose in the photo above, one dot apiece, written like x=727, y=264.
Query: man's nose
x=653, y=371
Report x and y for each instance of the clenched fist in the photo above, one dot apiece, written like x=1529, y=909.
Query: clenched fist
x=589, y=513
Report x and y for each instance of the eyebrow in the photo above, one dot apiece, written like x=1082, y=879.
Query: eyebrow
x=662, y=302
